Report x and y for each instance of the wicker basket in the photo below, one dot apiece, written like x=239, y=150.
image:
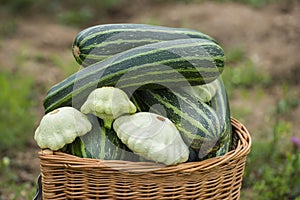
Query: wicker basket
x=69, y=177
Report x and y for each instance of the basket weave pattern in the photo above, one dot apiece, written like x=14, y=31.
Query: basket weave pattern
x=69, y=177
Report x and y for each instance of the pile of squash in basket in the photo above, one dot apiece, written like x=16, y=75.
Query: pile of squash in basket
x=143, y=93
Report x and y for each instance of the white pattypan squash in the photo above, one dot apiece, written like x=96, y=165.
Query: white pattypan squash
x=108, y=103
x=152, y=136
x=61, y=127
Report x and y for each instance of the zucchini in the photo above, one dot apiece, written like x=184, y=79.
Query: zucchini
x=215, y=95
x=197, y=122
x=75, y=148
x=102, y=143
x=220, y=103
x=164, y=64
x=204, y=126
x=99, y=42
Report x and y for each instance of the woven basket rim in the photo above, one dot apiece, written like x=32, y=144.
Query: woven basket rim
x=71, y=161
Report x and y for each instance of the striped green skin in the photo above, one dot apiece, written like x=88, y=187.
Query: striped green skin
x=165, y=64
x=102, y=143
x=217, y=98
x=197, y=122
x=175, y=105
x=220, y=103
x=76, y=148
x=100, y=42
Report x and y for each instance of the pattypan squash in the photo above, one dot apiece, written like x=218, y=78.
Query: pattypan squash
x=152, y=136
x=61, y=127
x=108, y=103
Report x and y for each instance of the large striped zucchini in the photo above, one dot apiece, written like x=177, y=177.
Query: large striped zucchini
x=103, y=143
x=197, y=122
x=97, y=43
x=215, y=95
x=220, y=103
x=164, y=64
x=205, y=126
x=100, y=143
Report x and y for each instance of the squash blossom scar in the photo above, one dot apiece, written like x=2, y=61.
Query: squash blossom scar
x=161, y=118
x=76, y=51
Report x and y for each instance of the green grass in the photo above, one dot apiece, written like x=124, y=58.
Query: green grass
x=241, y=72
x=67, y=66
x=14, y=189
x=16, y=118
x=19, y=98
x=67, y=12
x=7, y=27
x=17, y=127
x=273, y=166
x=75, y=17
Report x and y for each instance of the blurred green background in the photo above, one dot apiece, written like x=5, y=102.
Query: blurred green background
x=262, y=76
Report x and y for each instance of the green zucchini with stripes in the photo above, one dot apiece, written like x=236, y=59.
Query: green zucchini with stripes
x=75, y=148
x=102, y=143
x=205, y=126
x=220, y=103
x=197, y=122
x=168, y=64
x=215, y=95
x=99, y=42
